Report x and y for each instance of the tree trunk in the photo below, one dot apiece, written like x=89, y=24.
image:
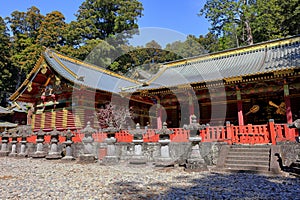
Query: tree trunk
x=249, y=33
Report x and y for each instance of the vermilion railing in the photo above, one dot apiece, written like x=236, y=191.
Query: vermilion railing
x=246, y=134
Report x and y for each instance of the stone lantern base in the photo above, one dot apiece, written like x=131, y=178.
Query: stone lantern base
x=138, y=158
x=38, y=154
x=86, y=158
x=4, y=153
x=53, y=156
x=195, y=162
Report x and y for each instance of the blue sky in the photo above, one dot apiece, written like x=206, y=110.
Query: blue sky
x=176, y=16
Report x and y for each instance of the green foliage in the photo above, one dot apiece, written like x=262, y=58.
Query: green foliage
x=5, y=64
x=52, y=29
x=189, y=48
x=241, y=22
x=99, y=19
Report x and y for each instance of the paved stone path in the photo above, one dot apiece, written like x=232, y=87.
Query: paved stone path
x=44, y=179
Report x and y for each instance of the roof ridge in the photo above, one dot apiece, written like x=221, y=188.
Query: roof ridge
x=235, y=51
x=92, y=66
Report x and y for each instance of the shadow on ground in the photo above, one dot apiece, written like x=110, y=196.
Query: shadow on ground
x=214, y=186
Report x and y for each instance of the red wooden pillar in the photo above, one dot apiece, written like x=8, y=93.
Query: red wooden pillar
x=272, y=131
x=159, y=115
x=289, y=116
x=240, y=107
x=229, y=133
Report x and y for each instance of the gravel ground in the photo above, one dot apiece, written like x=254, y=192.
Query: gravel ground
x=44, y=179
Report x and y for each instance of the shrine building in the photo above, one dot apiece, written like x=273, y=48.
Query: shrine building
x=245, y=85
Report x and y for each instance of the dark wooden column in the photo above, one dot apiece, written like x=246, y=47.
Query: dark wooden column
x=289, y=116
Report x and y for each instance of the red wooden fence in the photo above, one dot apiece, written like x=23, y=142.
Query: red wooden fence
x=246, y=134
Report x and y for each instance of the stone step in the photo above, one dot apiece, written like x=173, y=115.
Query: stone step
x=249, y=154
x=246, y=167
x=250, y=146
x=245, y=150
x=251, y=158
x=248, y=162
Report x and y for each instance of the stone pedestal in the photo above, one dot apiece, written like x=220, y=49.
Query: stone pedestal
x=53, y=153
x=111, y=157
x=23, y=147
x=138, y=158
x=4, y=150
x=164, y=159
x=39, y=153
x=69, y=153
x=14, y=142
x=195, y=162
x=87, y=156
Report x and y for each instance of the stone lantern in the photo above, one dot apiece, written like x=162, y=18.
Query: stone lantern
x=138, y=158
x=164, y=141
x=14, y=140
x=23, y=133
x=68, y=144
x=195, y=162
x=39, y=153
x=4, y=150
x=53, y=153
x=111, y=156
x=87, y=142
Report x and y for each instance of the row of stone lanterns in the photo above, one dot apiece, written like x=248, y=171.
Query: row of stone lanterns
x=194, y=161
x=23, y=132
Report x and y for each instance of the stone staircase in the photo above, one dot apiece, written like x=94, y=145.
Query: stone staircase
x=248, y=158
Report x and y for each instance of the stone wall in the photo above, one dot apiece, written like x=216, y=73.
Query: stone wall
x=179, y=152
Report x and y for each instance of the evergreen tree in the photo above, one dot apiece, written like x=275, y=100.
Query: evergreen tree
x=6, y=82
x=52, y=29
x=99, y=19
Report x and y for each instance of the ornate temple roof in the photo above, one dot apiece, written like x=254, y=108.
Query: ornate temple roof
x=268, y=57
x=272, y=56
x=86, y=74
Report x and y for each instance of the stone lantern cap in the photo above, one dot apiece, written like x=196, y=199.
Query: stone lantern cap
x=164, y=130
x=54, y=132
x=68, y=134
x=137, y=132
x=24, y=131
x=194, y=125
x=111, y=130
x=88, y=130
x=40, y=133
